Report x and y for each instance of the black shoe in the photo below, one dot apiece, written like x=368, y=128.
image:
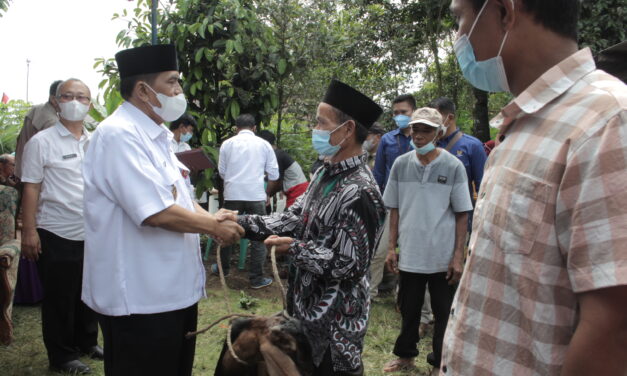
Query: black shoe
x=73, y=367
x=94, y=352
x=431, y=360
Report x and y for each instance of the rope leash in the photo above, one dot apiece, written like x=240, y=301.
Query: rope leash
x=229, y=343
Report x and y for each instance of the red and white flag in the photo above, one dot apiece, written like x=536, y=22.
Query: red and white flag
x=5, y=98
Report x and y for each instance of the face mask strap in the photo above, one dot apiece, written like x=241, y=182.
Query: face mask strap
x=477, y=18
x=505, y=37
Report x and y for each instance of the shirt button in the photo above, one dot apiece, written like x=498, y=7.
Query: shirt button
x=501, y=138
x=452, y=311
x=444, y=369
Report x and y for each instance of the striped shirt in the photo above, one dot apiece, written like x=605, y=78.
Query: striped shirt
x=550, y=222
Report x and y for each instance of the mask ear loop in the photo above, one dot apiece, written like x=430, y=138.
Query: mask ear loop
x=477, y=18
x=505, y=37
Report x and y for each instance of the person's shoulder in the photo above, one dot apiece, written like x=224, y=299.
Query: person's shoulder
x=45, y=136
x=390, y=135
x=448, y=158
x=612, y=90
x=470, y=139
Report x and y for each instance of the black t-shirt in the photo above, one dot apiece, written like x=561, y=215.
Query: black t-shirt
x=284, y=160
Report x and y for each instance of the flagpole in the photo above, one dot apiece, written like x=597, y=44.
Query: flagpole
x=27, y=74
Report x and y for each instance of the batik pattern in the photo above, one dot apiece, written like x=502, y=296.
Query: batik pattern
x=336, y=227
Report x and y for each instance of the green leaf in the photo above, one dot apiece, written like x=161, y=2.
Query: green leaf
x=234, y=109
x=199, y=54
x=281, y=66
x=238, y=47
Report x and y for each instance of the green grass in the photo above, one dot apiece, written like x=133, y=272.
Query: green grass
x=27, y=355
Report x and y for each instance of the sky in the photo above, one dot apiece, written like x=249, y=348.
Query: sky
x=61, y=38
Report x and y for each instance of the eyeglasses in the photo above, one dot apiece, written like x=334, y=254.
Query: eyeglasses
x=70, y=97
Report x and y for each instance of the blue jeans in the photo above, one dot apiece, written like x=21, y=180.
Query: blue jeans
x=258, y=250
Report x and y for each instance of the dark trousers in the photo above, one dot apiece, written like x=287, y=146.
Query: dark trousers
x=68, y=325
x=258, y=250
x=153, y=344
x=325, y=368
x=410, y=298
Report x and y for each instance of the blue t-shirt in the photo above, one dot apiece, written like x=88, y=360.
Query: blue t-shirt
x=471, y=153
x=392, y=145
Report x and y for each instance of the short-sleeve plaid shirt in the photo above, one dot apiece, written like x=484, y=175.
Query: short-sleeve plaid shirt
x=550, y=222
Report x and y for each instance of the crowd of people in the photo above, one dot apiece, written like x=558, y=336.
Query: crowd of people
x=519, y=260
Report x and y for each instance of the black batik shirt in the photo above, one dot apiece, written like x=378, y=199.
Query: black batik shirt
x=336, y=226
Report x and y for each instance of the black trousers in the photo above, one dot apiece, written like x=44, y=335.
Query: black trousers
x=68, y=325
x=410, y=298
x=150, y=345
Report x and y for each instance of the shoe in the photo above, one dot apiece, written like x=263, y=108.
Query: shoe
x=431, y=360
x=94, y=352
x=399, y=364
x=263, y=283
x=216, y=271
x=73, y=367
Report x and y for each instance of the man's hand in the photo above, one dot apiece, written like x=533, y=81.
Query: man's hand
x=391, y=260
x=31, y=245
x=228, y=232
x=226, y=214
x=282, y=243
x=455, y=268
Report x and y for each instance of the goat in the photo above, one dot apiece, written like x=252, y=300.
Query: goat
x=266, y=346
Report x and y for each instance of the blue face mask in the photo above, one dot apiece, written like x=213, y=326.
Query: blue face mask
x=185, y=137
x=402, y=121
x=320, y=141
x=428, y=147
x=488, y=75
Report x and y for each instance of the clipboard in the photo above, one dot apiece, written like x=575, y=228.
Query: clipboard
x=195, y=160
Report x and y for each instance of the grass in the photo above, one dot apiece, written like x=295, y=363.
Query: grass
x=27, y=355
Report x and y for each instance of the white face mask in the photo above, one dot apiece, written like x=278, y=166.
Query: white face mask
x=73, y=110
x=171, y=107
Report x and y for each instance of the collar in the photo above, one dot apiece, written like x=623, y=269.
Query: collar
x=346, y=164
x=245, y=131
x=64, y=132
x=550, y=85
x=396, y=132
x=448, y=139
x=152, y=129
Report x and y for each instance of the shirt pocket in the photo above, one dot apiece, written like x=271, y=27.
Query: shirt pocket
x=513, y=210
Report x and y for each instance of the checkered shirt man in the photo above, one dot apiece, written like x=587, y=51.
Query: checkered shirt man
x=550, y=222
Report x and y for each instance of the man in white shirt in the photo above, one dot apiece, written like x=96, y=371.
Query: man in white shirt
x=244, y=159
x=53, y=232
x=143, y=268
x=182, y=129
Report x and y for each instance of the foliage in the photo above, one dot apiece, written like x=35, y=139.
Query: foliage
x=4, y=6
x=12, y=116
x=246, y=301
x=602, y=24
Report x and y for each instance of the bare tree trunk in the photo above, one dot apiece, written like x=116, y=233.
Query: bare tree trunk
x=438, y=68
x=481, y=126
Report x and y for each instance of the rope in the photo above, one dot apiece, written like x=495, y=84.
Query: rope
x=275, y=271
x=229, y=343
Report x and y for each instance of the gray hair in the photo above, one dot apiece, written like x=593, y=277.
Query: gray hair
x=70, y=80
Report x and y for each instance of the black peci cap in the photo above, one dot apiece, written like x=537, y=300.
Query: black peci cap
x=353, y=103
x=147, y=59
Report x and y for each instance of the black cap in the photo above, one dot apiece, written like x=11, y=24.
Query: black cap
x=147, y=59
x=352, y=103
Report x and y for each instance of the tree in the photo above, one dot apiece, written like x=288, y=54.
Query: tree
x=4, y=6
x=602, y=24
x=12, y=116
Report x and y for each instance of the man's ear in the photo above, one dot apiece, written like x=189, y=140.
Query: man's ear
x=55, y=104
x=509, y=8
x=142, y=92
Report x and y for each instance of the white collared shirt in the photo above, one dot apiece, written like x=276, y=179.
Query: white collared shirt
x=130, y=174
x=243, y=160
x=53, y=157
x=178, y=147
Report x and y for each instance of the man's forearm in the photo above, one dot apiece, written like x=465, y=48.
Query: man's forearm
x=29, y=206
x=177, y=219
x=461, y=230
x=599, y=344
x=273, y=187
x=392, y=243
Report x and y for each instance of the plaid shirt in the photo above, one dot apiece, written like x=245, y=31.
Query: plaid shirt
x=550, y=222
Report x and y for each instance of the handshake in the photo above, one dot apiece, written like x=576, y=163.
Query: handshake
x=226, y=230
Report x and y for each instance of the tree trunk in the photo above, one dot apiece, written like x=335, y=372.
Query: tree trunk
x=438, y=68
x=279, y=115
x=481, y=126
